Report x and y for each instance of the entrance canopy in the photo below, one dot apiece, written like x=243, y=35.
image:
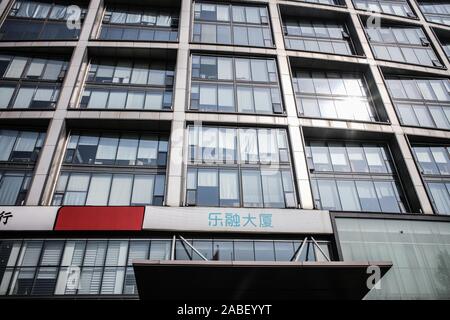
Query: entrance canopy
x=222, y=280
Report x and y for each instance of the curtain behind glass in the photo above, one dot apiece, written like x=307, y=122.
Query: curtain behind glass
x=107, y=148
x=26, y=141
x=348, y=196
x=272, y=188
x=328, y=195
x=99, y=190
x=58, y=12
x=251, y=188
x=148, y=148
x=118, y=17
x=6, y=93
x=9, y=189
x=229, y=189
x=267, y=142
x=121, y=189
x=7, y=139
x=127, y=148
x=143, y=189
x=26, y=9
x=248, y=145
x=207, y=178
x=227, y=144
x=441, y=197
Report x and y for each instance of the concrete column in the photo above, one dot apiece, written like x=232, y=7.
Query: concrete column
x=47, y=166
x=4, y=6
x=433, y=39
x=177, y=135
x=294, y=130
x=414, y=174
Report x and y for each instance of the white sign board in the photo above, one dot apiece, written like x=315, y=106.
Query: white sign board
x=237, y=220
x=27, y=218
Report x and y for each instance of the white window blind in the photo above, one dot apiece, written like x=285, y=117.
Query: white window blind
x=95, y=253
x=52, y=253
x=26, y=141
x=32, y=251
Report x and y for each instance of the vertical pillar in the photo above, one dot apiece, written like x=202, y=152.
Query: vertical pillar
x=177, y=134
x=47, y=166
x=294, y=130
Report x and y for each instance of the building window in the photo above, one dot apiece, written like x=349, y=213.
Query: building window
x=327, y=2
x=394, y=7
x=334, y=95
x=126, y=84
x=33, y=20
x=251, y=250
x=434, y=164
x=113, y=169
x=96, y=267
x=353, y=176
x=420, y=101
x=30, y=82
x=417, y=249
x=20, y=150
x=444, y=40
x=446, y=47
x=132, y=24
x=402, y=44
x=239, y=167
x=436, y=11
x=235, y=84
x=240, y=25
x=75, y=266
x=326, y=36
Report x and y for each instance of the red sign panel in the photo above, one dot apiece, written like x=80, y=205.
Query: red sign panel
x=79, y=218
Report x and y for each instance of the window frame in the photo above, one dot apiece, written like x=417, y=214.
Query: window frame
x=391, y=175
x=265, y=27
x=409, y=103
x=272, y=85
x=195, y=161
x=109, y=10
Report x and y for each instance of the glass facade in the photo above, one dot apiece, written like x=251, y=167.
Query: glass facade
x=74, y=266
x=113, y=169
x=436, y=11
x=354, y=176
x=103, y=267
x=419, y=251
x=40, y=20
x=402, y=44
x=134, y=24
x=239, y=167
x=283, y=110
x=240, y=25
x=333, y=94
x=125, y=84
x=434, y=164
x=235, y=84
x=252, y=250
x=19, y=152
x=394, y=7
x=327, y=2
x=326, y=36
x=30, y=82
x=446, y=47
x=422, y=102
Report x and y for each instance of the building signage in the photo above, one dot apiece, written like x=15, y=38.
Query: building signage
x=27, y=218
x=195, y=219
x=5, y=216
x=100, y=218
x=237, y=220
